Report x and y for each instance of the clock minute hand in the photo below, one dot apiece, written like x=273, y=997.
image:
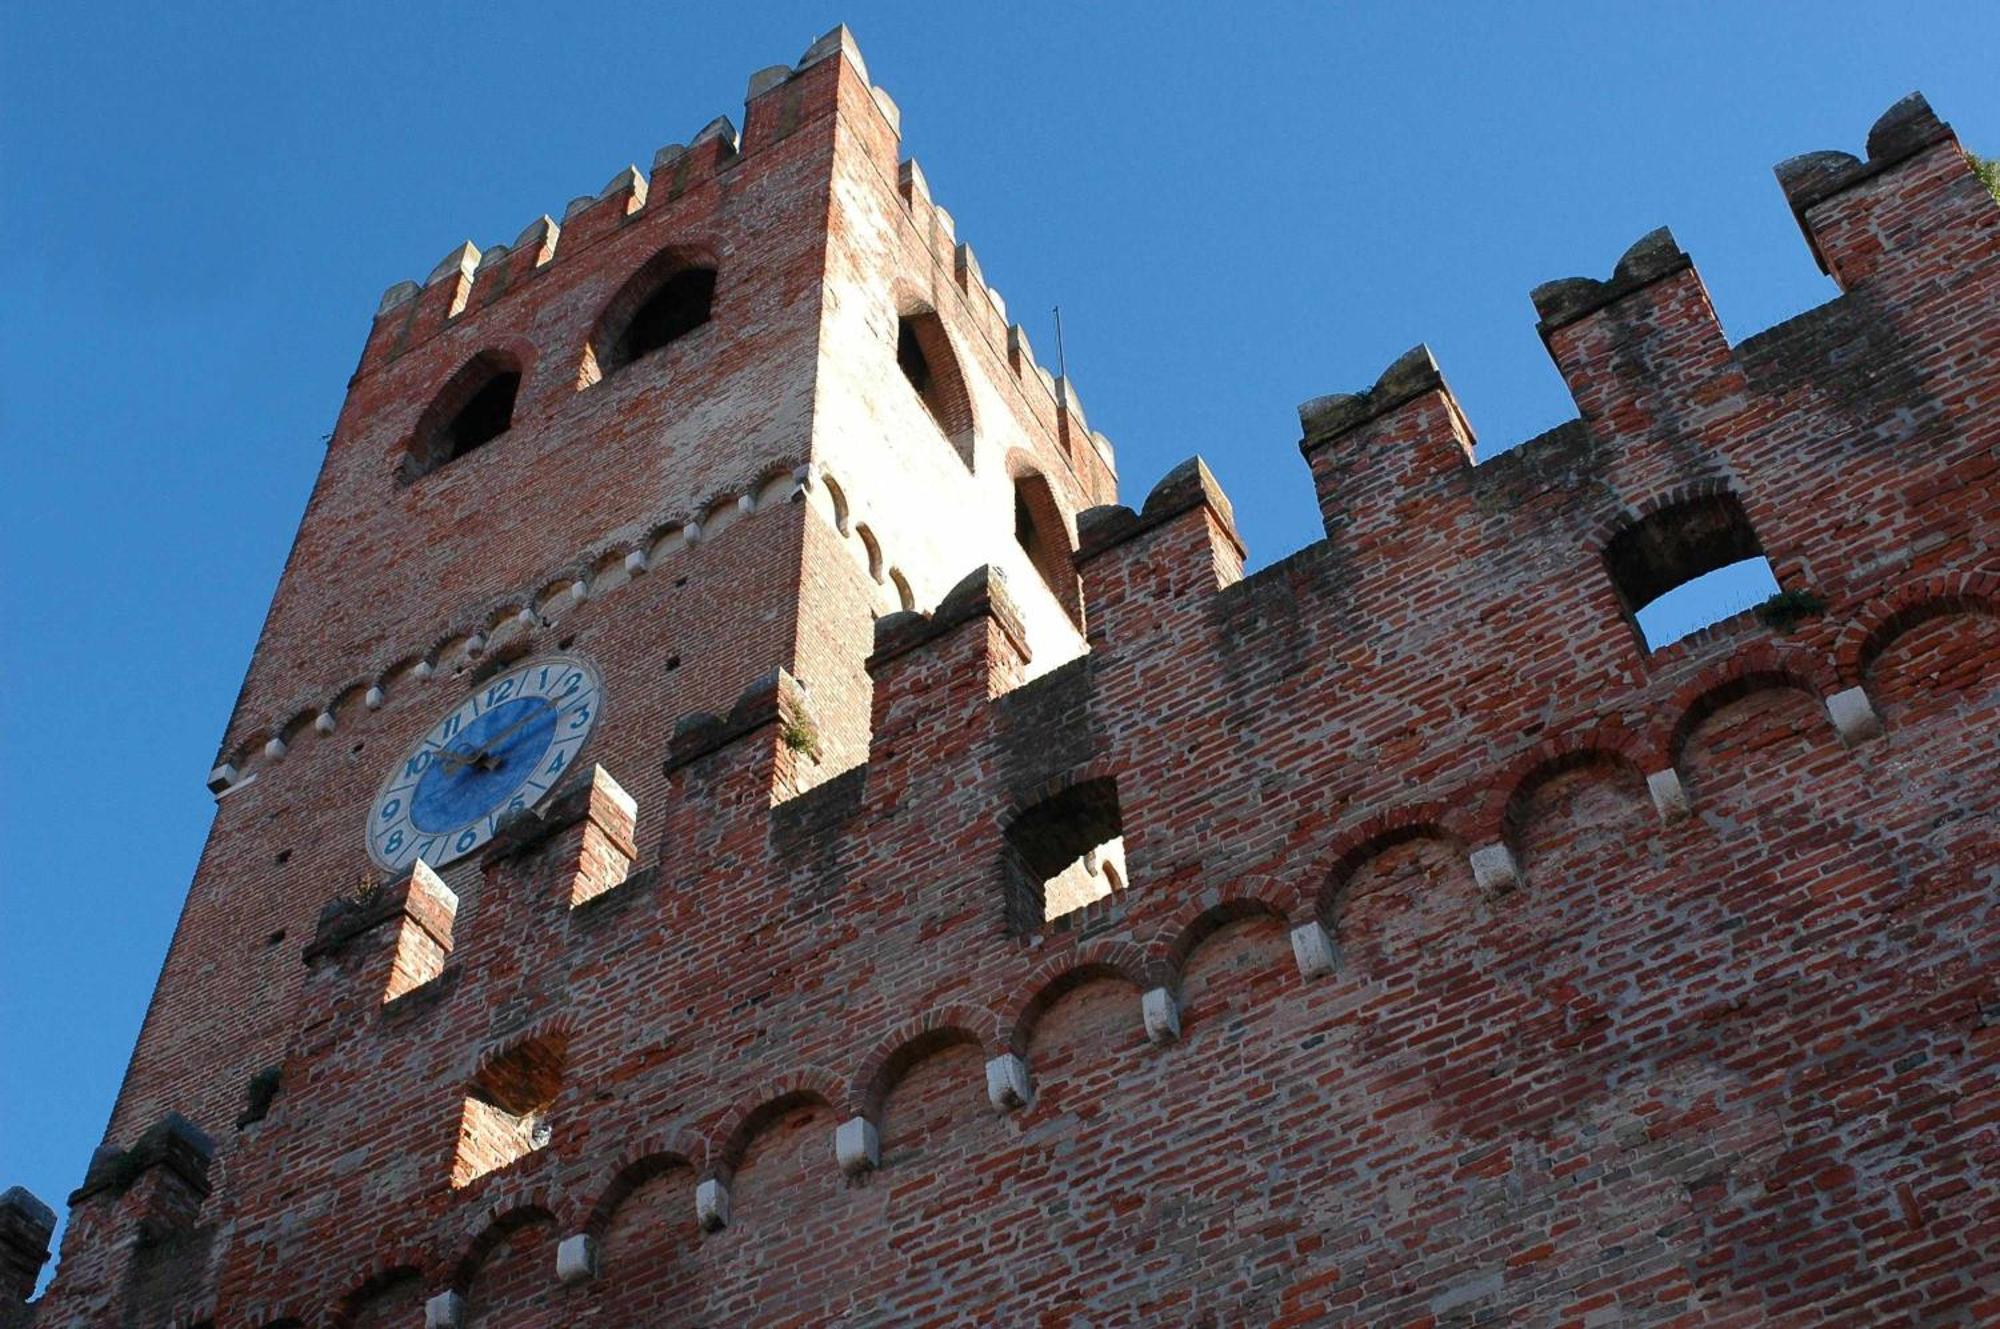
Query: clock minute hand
x=485, y=750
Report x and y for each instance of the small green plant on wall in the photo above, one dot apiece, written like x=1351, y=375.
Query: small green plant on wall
x=1988, y=171
x=799, y=735
x=1785, y=610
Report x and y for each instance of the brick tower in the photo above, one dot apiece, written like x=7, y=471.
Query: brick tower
x=729, y=822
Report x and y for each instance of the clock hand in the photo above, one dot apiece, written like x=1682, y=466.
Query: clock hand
x=479, y=755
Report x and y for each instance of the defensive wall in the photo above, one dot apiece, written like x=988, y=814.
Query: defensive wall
x=1473, y=961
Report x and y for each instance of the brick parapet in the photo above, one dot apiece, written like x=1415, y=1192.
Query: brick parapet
x=1629, y=1033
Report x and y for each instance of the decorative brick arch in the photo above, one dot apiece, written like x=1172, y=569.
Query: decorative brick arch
x=1097, y=768
x=1060, y=974
x=1630, y=515
x=558, y=1028
x=406, y=1262
x=1887, y=617
x=730, y=1138
x=654, y=1155
x=494, y=1223
x=1327, y=884
x=1756, y=668
x=1177, y=938
x=911, y=1042
x=1494, y=816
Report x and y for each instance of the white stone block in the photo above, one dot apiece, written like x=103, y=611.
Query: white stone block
x=444, y=1311
x=275, y=748
x=579, y=591
x=857, y=1147
x=711, y=1205
x=373, y=699
x=424, y=669
x=475, y=643
x=460, y=262
x=746, y=504
x=1493, y=867
x=1312, y=949
x=1669, y=795
x=764, y=80
x=425, y=879
x=576, y=1259
x=221, y=778
x=1007, y=1082
x=636, y=563
x=691, y=533
x=1162, y=1014
x=323, y=722
x=1853, y=715
x=399, y=294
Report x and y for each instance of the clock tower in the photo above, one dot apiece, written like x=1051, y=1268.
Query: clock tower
x=693, y=437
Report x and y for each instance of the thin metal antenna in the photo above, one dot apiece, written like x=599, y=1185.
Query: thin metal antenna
x=1062, y=364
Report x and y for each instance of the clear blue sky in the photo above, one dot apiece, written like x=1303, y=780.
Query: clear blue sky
x=203, y=203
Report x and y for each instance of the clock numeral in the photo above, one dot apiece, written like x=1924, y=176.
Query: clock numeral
x=561, y=759
x=467, y=840
x=499, y=692
x=582, y=717
x=571, y=682
x=391, y=808
x=394, y=842
x=417, y=765
x=453, y=724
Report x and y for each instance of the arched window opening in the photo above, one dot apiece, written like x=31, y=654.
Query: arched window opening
x=1687, y=566
x=473, y=409
x=1039, y=530
x=506, y=1114
x=923, y=353
x=663, y=302
x=1064, y=853
x=488, y=415
x=681, y=305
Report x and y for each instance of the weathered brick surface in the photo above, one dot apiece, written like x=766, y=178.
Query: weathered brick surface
x=1734, y=1065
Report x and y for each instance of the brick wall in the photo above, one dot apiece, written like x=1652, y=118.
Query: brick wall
x=1474, y=962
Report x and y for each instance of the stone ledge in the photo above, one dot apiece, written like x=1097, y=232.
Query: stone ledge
x=173, y=1142
x=1653, y=256
x=981, y=593
x=1186, y=487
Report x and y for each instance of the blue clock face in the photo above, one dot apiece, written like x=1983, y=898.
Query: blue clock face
x=500, y=751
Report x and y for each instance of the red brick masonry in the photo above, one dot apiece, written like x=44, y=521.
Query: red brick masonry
x=1476, y=964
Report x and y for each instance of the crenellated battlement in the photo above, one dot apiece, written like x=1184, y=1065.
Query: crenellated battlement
x=468, y=278
x=1387, y=931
